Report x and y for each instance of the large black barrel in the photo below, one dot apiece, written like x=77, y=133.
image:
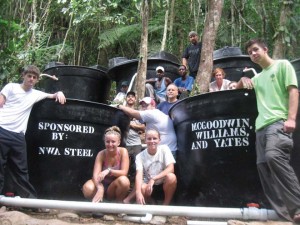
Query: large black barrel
x=231, y=60
x=63, y=141
x=78, y=82
x=122, y=69
x=216, y=161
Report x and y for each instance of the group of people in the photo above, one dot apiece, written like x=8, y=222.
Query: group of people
x=154, y=171
x=277, y=95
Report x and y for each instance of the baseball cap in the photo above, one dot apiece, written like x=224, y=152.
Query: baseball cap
x=147, y=100
x=193, y=33
x=130, y=93
x=125, y=83
x=160, y=68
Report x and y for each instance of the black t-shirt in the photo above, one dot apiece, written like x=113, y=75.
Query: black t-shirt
x=192, y=53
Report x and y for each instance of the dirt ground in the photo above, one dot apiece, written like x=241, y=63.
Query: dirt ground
x=13, y=216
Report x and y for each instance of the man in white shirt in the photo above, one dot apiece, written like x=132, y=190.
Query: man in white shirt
x=16, y=102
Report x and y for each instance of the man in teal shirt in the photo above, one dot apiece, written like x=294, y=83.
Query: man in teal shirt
x=277, y=102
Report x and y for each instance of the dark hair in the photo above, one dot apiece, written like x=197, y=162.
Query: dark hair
x=31, y=69
x=113, y=130
x=130, y=93
x=258, y=41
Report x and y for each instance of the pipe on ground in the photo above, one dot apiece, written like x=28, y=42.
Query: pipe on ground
x=134, y=209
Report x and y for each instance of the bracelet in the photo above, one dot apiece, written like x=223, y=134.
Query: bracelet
x=109, y=171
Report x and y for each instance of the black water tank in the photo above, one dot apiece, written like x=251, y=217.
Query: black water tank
x=216, y=149
x=121, y=69
x=78, y=82
x=63, y=141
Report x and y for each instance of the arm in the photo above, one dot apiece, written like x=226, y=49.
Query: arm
x=97, y=178
x=185, y=62
x=130, y=112
x=151, y=80
x=290, y=124
x=137, y=126
x=58, y=96
x=162, y=174
x=138, y=187
x=124, y=165
x=168, y=81
x=2, y=100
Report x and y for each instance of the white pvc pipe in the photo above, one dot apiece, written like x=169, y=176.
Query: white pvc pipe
x=146, y=219
x=53, y=77
x=191, y=222
x=250, y=69
x=135, y=209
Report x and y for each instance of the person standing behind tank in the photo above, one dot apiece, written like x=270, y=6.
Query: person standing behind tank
x=133, y=141
x=191, y=55
x=16, y=102
x=277, y=103
x=156, y=87
x=120, y=97
x=184, y=83
x=155, y=119
x=110, y=170
x=172, y=94
x=220, y=84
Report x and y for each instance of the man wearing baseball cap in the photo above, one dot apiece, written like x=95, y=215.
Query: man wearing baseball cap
x=154, y=119
x=191, y=55
x=156, y=87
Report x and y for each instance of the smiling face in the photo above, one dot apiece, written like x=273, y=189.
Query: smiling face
x=152, y=141
x=111, y=141
x=130, y=99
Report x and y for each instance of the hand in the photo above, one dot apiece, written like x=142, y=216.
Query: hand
x=99, y=194
x=149, y=187
x=247, y=82
x=102, y=175
x=60, y=97
x=289, y=126
x=140, y=198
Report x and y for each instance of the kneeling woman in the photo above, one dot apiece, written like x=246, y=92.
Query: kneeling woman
x=110, y=170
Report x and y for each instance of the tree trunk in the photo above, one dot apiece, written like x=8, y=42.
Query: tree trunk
x=164, y=40
x=142, y=66
x=281, y=36
x=211, y=25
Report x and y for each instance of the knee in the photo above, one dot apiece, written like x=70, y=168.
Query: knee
x=123, y=182
x=88, y=189
x=171, y=179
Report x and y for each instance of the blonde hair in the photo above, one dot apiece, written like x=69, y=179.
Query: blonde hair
x=218, y=70
x=152, y=129
x=113, y=130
